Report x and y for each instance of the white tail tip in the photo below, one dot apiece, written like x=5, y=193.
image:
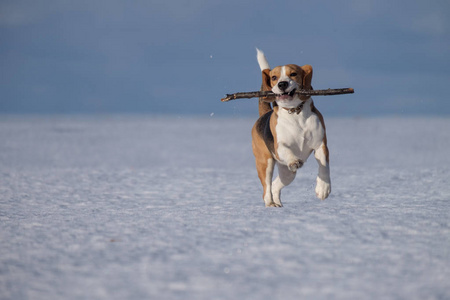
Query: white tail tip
x=262, y=60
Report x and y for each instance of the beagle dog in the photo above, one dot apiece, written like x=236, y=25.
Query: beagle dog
x=287, y=133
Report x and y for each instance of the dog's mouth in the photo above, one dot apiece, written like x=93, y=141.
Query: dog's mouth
x=287, y=96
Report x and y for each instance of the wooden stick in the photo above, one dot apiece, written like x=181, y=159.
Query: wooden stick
x=270, y=94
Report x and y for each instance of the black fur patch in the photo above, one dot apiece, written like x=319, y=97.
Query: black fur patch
x=263, y=129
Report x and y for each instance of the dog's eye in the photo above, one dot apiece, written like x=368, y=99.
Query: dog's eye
x=293, y=74
x=274, y=77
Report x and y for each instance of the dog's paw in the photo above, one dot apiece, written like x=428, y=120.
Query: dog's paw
x=295, y=165
x=323, y=189
x=273, y=204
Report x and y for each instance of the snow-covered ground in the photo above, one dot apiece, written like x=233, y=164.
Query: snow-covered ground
x=141, y=207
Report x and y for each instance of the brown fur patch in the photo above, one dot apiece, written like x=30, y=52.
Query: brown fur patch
x=262, y=127
x=262, y=155
x=322, y=121
x=263, y=104
x=266, y=80
x=273, y=124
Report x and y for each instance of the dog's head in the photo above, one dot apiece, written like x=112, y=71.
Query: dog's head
x=285, y=80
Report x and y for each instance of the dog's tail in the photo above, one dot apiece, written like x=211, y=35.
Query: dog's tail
x=264, y=107
x=262, y=60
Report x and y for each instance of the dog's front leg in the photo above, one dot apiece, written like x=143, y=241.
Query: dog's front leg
x=288, y=158
x=285, y=177
x=323, y=182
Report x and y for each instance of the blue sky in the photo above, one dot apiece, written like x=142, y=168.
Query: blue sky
x=183, y=56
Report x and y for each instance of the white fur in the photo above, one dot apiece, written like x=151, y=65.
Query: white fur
x=323, y=182
x=298, y=135
x=285, y=177
x=291, y=103
x=262, y=60
x=269, y=174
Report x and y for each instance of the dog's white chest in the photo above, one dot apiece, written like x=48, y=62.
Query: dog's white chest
x=301, y=133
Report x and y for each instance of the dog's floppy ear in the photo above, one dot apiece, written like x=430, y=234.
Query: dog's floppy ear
x=266, y=80
x=306, y=81
x=307, y=77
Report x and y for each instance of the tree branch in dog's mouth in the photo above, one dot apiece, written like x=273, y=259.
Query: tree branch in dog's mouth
x=270, y=96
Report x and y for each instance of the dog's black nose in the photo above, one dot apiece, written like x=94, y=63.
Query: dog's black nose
x=282, y=85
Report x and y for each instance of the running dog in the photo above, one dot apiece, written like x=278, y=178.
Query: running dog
x=287, y=133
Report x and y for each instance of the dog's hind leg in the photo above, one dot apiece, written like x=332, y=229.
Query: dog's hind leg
x=265, y=174
x=264, y=163
x=285, y=177
x=323, y=182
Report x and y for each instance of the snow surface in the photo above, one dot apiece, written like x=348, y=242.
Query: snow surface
x=128, y=207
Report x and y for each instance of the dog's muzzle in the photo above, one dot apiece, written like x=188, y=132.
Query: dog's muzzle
x=287, y=96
